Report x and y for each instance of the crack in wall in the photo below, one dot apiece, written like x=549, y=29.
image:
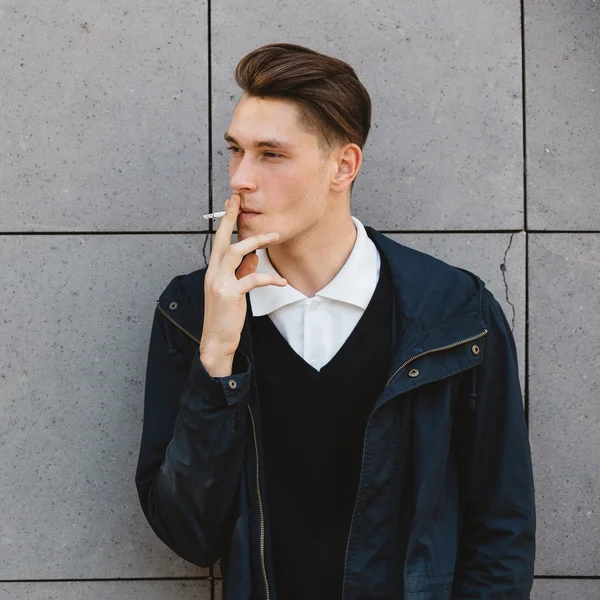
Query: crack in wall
x=503, y=268
x=206, y=239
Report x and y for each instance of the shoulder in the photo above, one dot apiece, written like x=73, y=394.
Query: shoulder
x=428, y=285
x=186, y=288
x=182, y=303
x=418, y=264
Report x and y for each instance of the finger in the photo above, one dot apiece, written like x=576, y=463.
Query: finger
x=249, y=265
x=212, y=260
x=236, y=252
x=254, y=280
x=222, y=239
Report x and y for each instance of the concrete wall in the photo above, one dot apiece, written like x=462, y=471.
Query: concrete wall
x=105, y=137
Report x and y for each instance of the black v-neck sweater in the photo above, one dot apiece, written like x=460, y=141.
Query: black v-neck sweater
x=313, y=425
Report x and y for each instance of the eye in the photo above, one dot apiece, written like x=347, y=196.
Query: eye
x=236, y=150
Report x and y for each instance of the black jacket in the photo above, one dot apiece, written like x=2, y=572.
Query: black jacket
x=446, y=440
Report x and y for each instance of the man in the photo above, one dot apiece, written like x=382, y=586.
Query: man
x=330, y=413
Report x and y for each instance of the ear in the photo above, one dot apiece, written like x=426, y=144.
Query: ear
x=347, y=164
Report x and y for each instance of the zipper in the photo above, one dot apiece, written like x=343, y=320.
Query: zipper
x=448, y=347
x=260, y=505
x=260, y=510
x=160, y=308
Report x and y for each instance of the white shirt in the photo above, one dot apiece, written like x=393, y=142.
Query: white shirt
x=316, y=328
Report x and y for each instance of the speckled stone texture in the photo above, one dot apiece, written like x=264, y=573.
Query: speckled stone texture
x=104, y=133
x=107, y=590
x=445, y=148
x=557, y=589
x=104, y=115
x=76, y=314
x=564, y=389
x=562, y=42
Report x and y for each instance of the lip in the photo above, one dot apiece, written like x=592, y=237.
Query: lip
x=247, y=215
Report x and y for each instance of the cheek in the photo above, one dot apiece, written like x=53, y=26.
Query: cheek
x=300, y=179
x=286, y=174
x=295, y=188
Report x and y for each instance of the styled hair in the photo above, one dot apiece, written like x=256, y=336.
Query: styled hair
x=333, y=103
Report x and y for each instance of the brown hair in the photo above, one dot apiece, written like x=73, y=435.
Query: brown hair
x=333, y=103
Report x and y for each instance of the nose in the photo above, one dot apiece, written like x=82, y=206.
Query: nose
x=241, y=175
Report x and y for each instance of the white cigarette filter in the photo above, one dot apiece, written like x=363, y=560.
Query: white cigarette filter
x=216, y=215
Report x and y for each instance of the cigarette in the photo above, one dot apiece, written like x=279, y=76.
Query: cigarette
x=216, y=215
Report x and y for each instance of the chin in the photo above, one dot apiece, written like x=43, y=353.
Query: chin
x=244, y=233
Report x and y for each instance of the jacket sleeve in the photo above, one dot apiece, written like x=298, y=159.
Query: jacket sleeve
x=192, y=446
x=497, y=542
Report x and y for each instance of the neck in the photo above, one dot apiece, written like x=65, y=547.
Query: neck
x=310, y=263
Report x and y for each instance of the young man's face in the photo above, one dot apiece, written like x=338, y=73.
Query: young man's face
x=287, y=181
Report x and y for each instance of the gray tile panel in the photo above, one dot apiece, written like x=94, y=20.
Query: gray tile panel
x=104, y=115
x=107, y=590
x=445, y=148
x=104, y=128
x=76, y=314
x=564, y=388
x=566, y=589
x=563, y=111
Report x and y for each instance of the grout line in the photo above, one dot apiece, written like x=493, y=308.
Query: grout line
x=384, y=231
x=524, y=101
x=210, y=146
x=526, y=391
x=210, y=154
x=200, y=231
x=212, y=582
x=564, y=231
x=570, y=577
x=525, y=222
x=108, y=579
x=135, y=579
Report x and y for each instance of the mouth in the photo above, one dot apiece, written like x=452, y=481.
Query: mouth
x=246, y=216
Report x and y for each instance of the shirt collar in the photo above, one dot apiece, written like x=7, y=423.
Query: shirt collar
x=354, y=284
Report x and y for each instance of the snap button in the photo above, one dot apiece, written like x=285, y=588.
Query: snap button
x=413, y=373
x=173, y=305
x=475, y=349
x=232, y=384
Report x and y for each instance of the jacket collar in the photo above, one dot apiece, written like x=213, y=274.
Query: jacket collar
x=434, y=301
x=435, y=304
x=436, y=312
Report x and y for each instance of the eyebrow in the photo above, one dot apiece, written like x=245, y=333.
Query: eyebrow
x=270, y=143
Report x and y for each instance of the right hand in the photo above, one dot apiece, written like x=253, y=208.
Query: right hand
x=225, y=290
